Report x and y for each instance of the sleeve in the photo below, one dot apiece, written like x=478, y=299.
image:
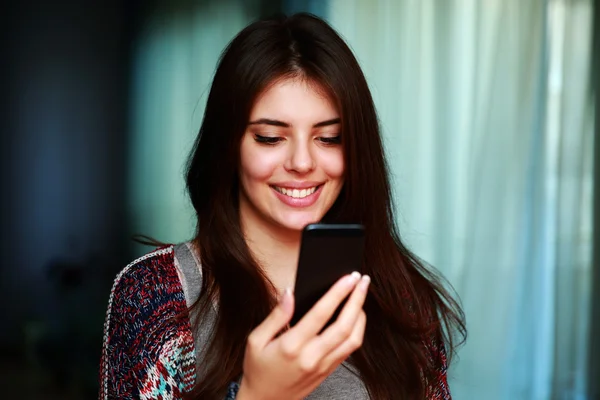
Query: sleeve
x=232, y=391
x=437, y=387
x=117, y=364
x=147, y=353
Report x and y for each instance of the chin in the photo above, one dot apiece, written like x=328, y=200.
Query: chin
x=298, y=222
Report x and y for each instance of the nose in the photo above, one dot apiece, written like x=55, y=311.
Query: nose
x=300, y=158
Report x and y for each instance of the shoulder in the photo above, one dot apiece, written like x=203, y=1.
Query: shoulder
x=147, y=290
x=146, y=294
x=153, y=273
x=146, y=333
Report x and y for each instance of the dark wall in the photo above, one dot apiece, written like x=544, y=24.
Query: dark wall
x=64, y=124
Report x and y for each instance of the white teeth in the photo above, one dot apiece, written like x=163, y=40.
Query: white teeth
x=295, y=193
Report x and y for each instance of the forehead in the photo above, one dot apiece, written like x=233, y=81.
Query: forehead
x=294, y=100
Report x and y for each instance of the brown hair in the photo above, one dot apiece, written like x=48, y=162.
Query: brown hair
x=407, y=305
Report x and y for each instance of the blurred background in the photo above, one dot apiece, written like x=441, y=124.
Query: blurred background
x=488, y=115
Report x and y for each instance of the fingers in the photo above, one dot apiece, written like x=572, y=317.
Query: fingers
x=345, y=325
x=274, y=323
x=354, y=341
x=314, y=320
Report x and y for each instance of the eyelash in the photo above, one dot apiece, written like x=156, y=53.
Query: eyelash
x=331, y=140
x=269, y=140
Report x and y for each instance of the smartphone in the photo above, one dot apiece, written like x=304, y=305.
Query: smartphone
x=327, y=252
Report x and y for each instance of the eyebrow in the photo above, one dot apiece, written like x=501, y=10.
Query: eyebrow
x=274, y=122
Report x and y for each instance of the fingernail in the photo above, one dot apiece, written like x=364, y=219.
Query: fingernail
x=364, y=283
x=286, y=299
x=352, y=278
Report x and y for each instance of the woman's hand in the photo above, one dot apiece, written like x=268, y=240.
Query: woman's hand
x=293, y=364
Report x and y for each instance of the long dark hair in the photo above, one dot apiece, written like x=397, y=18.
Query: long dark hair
x=411, y=317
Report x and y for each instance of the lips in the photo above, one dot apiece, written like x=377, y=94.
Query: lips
x=296, y=193
x=298, y=196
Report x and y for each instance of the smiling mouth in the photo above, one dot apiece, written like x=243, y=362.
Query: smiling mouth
x=296, y=193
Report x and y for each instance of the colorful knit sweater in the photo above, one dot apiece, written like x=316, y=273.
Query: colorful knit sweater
x=149, y=354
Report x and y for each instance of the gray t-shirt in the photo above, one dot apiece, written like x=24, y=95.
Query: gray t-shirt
x=342, y=384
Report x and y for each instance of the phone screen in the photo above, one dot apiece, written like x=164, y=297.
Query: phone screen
x=327, y=252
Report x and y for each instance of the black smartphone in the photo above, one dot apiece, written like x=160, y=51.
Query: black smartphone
x=327, y=252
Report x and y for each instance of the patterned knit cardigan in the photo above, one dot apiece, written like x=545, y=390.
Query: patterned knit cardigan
x=148, y=354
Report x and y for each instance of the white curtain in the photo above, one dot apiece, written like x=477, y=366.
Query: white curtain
x=487, y=116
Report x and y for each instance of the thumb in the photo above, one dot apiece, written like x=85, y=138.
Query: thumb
x=276, y=320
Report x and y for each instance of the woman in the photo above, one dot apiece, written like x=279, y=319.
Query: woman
x=289, y=137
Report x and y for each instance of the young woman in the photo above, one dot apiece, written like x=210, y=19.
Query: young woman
x=289, y=137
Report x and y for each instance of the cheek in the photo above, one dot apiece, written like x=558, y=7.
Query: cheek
x=333, y=165
x=256, y=165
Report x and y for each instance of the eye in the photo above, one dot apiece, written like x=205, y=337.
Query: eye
x=270, y=140
x=331, y=139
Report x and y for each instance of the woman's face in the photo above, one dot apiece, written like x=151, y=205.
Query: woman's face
x=292, y=164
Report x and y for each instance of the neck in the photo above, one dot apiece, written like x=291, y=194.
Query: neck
x=275, y=248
